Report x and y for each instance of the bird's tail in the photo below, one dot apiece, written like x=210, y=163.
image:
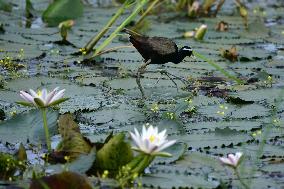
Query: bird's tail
x=131, y=32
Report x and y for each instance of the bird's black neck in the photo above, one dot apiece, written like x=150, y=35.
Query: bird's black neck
x=179, y=57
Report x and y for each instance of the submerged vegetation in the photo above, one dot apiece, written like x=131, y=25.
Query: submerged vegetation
x=213, y=120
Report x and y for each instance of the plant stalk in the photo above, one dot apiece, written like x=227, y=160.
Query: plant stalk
x=48, y=142
x=151, y=6
x=240, y=179
x=114, y=49
x=224, y=72
x=140, y=5
x=90, y=45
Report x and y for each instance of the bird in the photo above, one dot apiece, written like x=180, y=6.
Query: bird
x=156, y=50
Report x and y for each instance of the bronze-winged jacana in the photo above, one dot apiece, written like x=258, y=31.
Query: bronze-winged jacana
x=156, y=50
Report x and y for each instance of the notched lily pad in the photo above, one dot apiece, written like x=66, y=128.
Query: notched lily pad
x=177, y=150
x=28, y=127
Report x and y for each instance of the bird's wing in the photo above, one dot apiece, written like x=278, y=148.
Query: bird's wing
x=161, y=45
x=144, y=50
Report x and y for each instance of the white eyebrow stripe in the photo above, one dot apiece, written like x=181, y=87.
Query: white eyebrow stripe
x=187, y=49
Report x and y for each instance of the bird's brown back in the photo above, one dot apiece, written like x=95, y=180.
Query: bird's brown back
x=154, y=47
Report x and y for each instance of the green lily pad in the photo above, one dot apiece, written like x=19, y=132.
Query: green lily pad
x=28, y=127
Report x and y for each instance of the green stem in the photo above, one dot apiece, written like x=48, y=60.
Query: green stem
x=143, y=164
x=140, y=5
x=224, y=72
x=48, y=142
x=240, y=179
x=90, y=45
x=147, y=11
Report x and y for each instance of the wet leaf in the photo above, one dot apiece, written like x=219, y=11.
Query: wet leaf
x=80, y=165
x=230, y=54
x=28, y=127
x=73, y=143
x=114, y=154
x=5, y=6
x=21, y=153
x=177, y=151
x=61, y=10
x=65, y=180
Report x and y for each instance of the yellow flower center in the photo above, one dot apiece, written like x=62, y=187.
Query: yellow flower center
x=152, y=138
x=39, y=93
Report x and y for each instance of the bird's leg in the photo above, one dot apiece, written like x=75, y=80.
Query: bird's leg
x=157, y=81
x=140, y=71
x=177, y=77
x=171, y=78
x=167, y=74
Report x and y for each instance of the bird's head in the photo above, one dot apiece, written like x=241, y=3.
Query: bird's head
x=186, y=50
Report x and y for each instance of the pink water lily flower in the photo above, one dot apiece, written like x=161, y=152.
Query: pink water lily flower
x=43, y=98
x=232, y=160
x=150, y=141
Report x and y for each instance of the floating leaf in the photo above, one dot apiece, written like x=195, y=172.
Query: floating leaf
x=28, y=127
x=177, y=150
x=61, y=10
x=80, y=165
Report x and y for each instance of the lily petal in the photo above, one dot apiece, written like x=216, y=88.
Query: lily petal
x=26, y=96
x=57, y=95
x=166, y=145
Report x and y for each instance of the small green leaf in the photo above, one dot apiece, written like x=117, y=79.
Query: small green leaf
x=39, y=102
x=5, y=6
x=29, y=9
x=23, y=103
x=115, y=153
x=21, y=153
x=62, y=10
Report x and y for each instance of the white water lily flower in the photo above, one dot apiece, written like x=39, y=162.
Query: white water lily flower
x=232, y=160
x=43, y=98
x=151, y=141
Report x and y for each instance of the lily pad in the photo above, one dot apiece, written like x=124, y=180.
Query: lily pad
x=28, y=127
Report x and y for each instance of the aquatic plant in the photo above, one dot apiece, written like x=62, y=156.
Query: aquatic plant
x=43, y=100
x=150, y=141
x=232, y=160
